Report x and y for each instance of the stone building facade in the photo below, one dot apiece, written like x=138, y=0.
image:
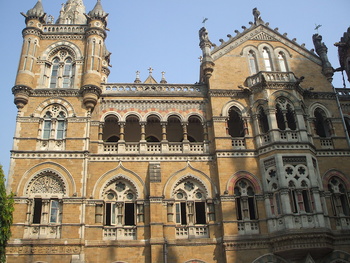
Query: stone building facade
x=251, y=164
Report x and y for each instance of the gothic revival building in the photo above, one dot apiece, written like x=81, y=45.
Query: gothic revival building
x=251, y=164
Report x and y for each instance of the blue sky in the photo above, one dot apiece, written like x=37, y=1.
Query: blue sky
x=163, y=34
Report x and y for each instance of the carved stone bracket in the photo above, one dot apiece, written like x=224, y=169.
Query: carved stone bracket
x=22, y=94
x=90, y=94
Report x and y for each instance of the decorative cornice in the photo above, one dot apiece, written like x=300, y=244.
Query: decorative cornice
x=96, y=31
x=55, y=92
x=90, y=89
x=228, y=93
x=22, y=89
x=31, y=31
x=159, y=90
x=319, y=95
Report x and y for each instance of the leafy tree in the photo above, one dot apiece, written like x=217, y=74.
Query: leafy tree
x=6, y=209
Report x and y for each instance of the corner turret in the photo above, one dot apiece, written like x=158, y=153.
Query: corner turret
x=34, y=18
x=96, y=65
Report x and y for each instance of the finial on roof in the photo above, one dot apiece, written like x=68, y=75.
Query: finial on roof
x=37, y=11
x=97, y=11
x=137, y=79
x=150, y=70
x=257, y=17
x=163, y=80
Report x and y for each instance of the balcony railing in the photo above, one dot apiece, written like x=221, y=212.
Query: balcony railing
x=270, y=77
x=153, y=148
x=248, y=227
x=185, y=232
x=64, y=29
x=119, y=233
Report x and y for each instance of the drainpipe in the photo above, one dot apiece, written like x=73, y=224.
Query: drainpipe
x=342, y=116
x=165, y=251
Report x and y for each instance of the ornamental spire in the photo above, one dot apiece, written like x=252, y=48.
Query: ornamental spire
x=36, y=12
x=72, y=12
x=98, y=13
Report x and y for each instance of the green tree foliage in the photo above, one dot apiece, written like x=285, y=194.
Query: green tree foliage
x=6, y=209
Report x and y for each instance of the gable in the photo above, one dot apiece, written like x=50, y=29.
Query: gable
x=261, y=33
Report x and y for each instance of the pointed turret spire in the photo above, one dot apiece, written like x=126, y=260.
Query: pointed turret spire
x=73, y=12
x=98, y=13
x=36, y=12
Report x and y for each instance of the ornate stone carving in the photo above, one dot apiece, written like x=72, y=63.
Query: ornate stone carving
x=46, y=183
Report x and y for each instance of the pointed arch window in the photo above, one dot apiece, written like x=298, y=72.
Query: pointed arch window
x=195, y=129
x=245, y=200
x=267, y=59
x=263, y=120
x=253, y=65
x=62, y=71
x=322, y=123
x=111, y=129
x=235, y=123
x=54, y=122
x=339, y=197
x=285, y=115
x=282, y=61
x=121, y=207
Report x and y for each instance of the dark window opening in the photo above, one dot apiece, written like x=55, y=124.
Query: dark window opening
x=345, y=204
x=108, y=214
x=280, y=119
x=113, y=138
x=152, y=139
x=235, y=123
x=183, y=214
x=263, y=121
x=291, y=119
x=251, y=204
x=129, y=214
x=200, y=213
x=239, y=208
x=306, y=201
x=37, y=210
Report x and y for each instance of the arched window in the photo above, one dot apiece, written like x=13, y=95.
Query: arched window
x=267, y=59
x=301, y=199
x=174, y=129
x=54, y=73
x=153, y=129
x=263, y=121
x=245, y=200
x=190, y=204
x=195, y=129
x=62, y=71
x=47, y=190
x=253, y=65
x=121, y=208
x=285, y=115
x=339, y=196
x=322, y=123
x=282, y=61
x=132, y=129
x=235, y=123
x=111, y=129
x=54, y=122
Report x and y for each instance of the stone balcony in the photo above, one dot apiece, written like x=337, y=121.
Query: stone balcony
x=270, y=78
